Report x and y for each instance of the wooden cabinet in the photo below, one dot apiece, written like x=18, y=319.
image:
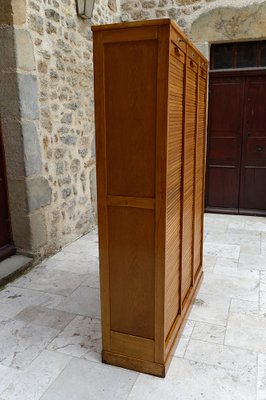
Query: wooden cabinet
x=150, y=101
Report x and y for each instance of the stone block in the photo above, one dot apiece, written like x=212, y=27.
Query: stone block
x=12, y=12
x=66, y=193
x=24, y=50
x=204, y=48
x=38, y=231
x=6, y=17
x=67, y=119
x=9, y=104
x=32, y=149
x=21, y=232
x=28, y=95
x=93, y=190
x=75, y=166
x=59, y=167
x=230, y=23
x=174, y=13
x=8, y=58
x=148, y=4
x=39, y=193
x=36, y=23
x=69, y=140
x=93, y=149
x=19, y=11
x=17, y=196
x=13, y=146
x=52, y=15
x=112, y=5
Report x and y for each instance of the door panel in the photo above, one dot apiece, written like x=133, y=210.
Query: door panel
x=224, y=143
x=236, y=158
x=253, y=171
x=223, y=186
x=253, y=196
x=6, y=248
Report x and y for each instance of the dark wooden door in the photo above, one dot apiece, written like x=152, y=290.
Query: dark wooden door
x=6, y=246
x=236, y=156
x=253, y=166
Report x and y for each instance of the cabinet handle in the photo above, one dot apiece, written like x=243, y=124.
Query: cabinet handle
x=260, y=149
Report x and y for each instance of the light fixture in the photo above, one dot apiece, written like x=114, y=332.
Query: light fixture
x=85, y=8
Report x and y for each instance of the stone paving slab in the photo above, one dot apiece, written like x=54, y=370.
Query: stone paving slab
x=12, y=266
x=50, y=331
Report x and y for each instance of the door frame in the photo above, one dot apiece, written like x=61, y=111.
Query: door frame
x=223, y=74
x=8, y=249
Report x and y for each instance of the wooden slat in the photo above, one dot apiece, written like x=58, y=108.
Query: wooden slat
x=160, y=215
x=174, y=181
x=189, y=177
x=197, y=171
x=200, y=175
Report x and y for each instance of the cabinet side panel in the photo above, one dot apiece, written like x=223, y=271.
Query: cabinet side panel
x=174, y=182
x=189, y=176
x=131, y=269
x=99, y=91
x=130, y=106
x=200, y=163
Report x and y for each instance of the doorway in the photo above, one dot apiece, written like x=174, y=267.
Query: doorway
x=6, y=246
x=236, y=154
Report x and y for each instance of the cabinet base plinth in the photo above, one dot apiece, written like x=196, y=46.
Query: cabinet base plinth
x=147, y=367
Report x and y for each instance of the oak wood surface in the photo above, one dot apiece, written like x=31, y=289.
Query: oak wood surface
x=150, y=105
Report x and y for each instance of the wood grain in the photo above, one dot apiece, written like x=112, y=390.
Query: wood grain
x=132, y=346
x=150, y=98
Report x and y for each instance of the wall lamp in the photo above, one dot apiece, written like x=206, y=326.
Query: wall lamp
x=85, y=8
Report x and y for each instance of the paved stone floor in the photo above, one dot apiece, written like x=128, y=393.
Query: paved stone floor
x=50, y=327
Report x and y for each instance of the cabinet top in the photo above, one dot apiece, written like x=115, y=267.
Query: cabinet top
x=147, y=23
x=122, y=25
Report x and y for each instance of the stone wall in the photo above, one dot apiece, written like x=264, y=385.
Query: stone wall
x=46, y=101
x=62, y=45
x=204, y=21
x=53, y=74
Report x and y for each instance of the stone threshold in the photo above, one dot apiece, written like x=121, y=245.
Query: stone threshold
x=12, y=267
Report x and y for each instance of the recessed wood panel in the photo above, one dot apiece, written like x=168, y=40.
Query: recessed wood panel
x=253, y=162
x=224, y=142
x=131, y=266
x=223, y=150
x=130, y=87
x=228, y=102
x=226, y=182
x=253, y=195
